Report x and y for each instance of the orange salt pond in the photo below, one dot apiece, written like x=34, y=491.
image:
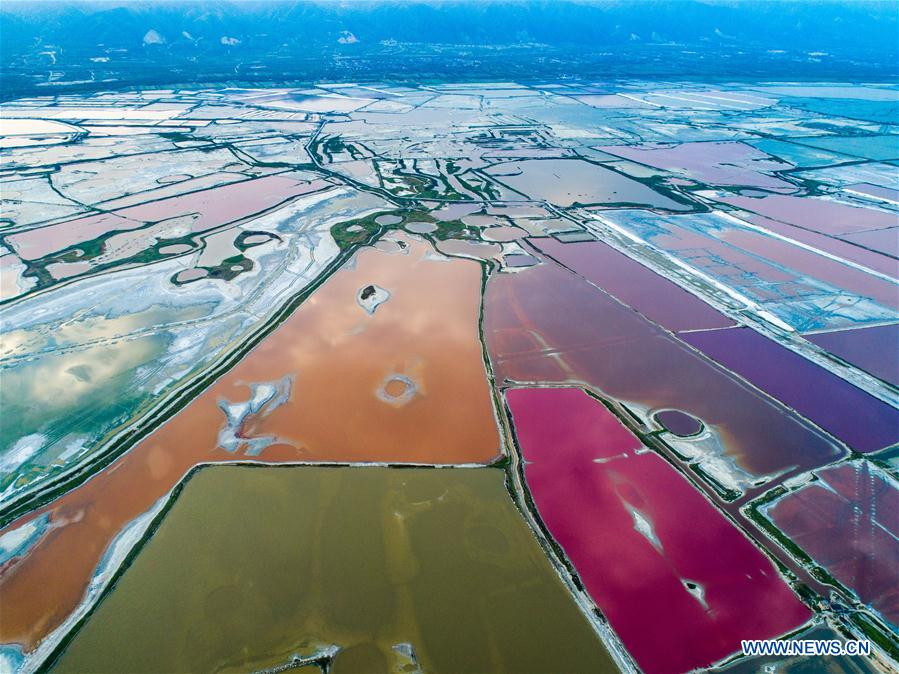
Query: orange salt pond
x=334, y=383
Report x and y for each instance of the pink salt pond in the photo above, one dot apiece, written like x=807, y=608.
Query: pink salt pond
x=188, y=275
x=468, y=248
x=848, y=522
x=724, y=163
x=824, y=216
x=652, y=295
x=679, y=597
x=519, y=260
x=209, y=209
x=503, y=233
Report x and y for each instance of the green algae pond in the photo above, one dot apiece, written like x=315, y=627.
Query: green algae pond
x=367, y=569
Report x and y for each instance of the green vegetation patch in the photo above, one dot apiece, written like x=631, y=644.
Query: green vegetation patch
x=356, y=232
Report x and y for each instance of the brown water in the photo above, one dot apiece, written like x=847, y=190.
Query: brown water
x=316, y=385
x=254, y=565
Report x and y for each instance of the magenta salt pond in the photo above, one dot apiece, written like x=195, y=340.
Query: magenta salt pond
x=546, y=324
x=678, y=597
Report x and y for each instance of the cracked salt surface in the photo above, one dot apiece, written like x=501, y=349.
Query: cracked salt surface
x=265, y=397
